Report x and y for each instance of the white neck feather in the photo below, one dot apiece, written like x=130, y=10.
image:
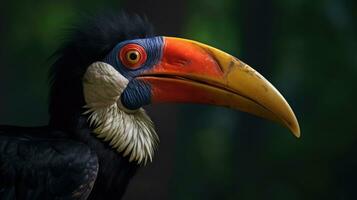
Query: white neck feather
x=130, y=132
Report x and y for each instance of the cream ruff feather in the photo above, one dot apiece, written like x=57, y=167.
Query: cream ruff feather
x=130, y=132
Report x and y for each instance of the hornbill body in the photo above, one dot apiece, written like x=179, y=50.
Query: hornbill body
x=98, y=134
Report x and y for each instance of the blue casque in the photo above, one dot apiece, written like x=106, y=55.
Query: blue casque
x=137, y=93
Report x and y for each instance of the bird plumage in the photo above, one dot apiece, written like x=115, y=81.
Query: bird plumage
x=65, y=159
x=85, y=44
x=37, y=163
x=129, y=131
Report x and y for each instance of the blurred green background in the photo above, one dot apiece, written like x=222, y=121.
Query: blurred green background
x=307, y=49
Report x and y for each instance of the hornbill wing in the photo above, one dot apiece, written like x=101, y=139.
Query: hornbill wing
x=36, y=166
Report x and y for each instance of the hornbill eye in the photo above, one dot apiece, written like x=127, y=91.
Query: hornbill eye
x=132, y=56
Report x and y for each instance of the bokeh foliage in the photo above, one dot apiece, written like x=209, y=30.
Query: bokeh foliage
x=314, y=64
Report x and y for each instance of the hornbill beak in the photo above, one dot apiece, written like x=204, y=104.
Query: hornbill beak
x=192, y=72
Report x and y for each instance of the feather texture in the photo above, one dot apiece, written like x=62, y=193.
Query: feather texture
x=130, y=132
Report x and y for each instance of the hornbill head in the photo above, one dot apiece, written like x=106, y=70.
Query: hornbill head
x=137, y=68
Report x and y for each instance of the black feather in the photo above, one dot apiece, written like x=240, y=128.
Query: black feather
x=34, y=165
x=87, y=43
x=58, y=161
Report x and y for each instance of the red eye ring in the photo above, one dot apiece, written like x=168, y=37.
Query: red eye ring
x=133, y=56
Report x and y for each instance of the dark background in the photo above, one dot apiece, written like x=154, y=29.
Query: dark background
x=307, y=49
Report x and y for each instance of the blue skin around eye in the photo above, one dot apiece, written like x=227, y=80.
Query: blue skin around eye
x=137, y=93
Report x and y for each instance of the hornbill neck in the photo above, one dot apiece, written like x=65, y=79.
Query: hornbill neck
x=66, y=114
x=115, y=171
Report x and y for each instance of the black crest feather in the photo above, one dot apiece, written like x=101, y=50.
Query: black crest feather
x=86, y=43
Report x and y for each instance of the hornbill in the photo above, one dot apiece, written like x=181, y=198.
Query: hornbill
x=98, y=134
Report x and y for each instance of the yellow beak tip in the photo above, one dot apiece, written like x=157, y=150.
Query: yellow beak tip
x=296, y=131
